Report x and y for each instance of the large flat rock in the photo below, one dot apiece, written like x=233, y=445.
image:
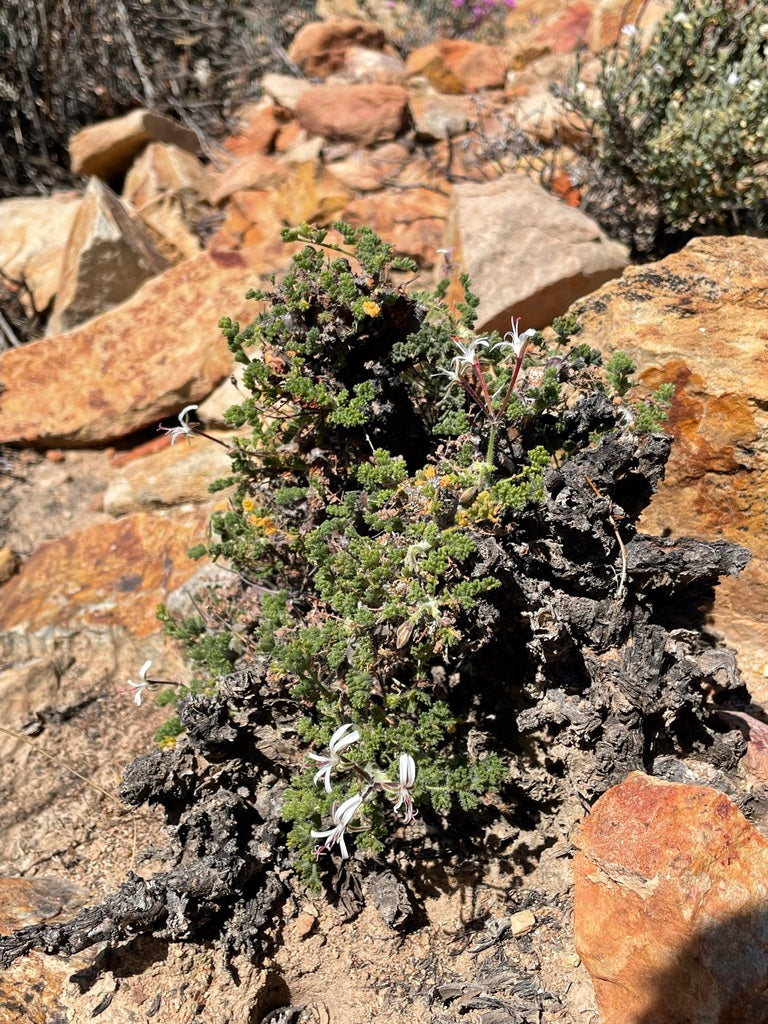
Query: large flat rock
x=126, y=370
x=106, y=576
x=527, y=253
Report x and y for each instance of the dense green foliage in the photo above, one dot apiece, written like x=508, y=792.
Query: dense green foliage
x=372, y=466
x=678, y=125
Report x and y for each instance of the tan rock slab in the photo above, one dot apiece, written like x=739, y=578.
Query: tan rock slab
x=285, y=90
x=8, y=563
x=105, y=576
x=109, y=148
x=360, y=172
x=172, y=476
x=459, y=65
x=362, y=65
x=167, y=223
x=33, y=236
x=498, y=228
x=310, y=193
x=542, y=116
x=251, y=171
x=131, y=367
x=355, y=113
x=108, y=256
x=163, y=168
x=671, y=897
x=436, y=116
x=698, y=319
x=320, y=48
x=33, y=989
x=608, y=17
x=230, y=392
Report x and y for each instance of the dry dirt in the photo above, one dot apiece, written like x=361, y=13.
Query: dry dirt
x=468, y=956
x=462, y=961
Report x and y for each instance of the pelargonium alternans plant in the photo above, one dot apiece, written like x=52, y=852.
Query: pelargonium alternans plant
x=384, y=452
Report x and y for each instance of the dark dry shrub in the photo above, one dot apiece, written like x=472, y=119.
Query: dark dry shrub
x=679, y=125
x=67, y=63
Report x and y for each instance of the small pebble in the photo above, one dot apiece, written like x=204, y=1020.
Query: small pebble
x=522, y=922
x=305, y=924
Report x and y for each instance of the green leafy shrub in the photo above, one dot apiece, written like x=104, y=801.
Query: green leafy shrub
x=388, y=454
x=679, y=126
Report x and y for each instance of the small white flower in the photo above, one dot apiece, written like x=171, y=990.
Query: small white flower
x=468, y=353
x=407, y=779
x=184, y=429
x=514, y=340
x=329, y=761
x=140, y=687
x=454, y=376
x=629, y=30
x=733, y=78
x=342, y=815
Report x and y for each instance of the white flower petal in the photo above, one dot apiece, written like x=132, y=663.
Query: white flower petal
x=336, y=739
x=184, y=413
x=407, y=771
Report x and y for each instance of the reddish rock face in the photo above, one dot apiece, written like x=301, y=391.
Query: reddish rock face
x=697, y=319
x=353, y=113
x=671, y=906
x=413, y=221
x=108, y=575
x=127, y=369
x=33, y=989
x=458, y=65
x=258, y=129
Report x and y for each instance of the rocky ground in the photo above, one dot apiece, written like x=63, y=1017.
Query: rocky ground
x=97, y=513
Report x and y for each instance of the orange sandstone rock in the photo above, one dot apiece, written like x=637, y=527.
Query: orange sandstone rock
x=354, y=113
x=671, y=898
x=108, y=575
x=127, y=369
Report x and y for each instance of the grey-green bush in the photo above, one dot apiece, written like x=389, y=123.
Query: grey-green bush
x=679, y=126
